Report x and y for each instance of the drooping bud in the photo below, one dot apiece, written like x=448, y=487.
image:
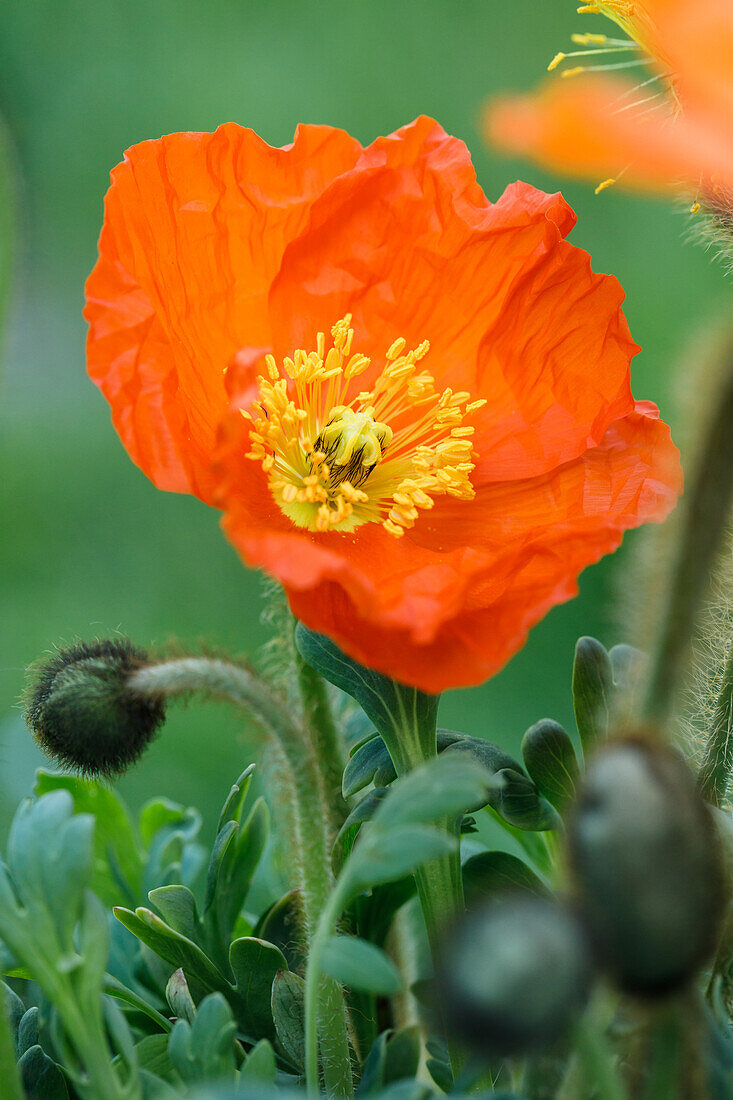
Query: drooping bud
x=82, y=712
x=514, y=974
x=647, y=865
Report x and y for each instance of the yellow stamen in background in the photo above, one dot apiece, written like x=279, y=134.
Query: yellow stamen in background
x=604, y=184
x=556, y=61
x=573, y=72
x=336, y=461
x=695, y=208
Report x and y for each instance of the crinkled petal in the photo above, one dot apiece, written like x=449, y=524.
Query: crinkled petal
x=195, y=227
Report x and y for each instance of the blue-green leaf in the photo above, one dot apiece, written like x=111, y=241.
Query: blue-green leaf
x=288, y=1012
x=489, y=873
x=204, y=1050
x=259, y=1065
x=360, y=965
x=408, y=846
x=520, y=803
x=254, y=964
x=41, y=1077
x=550, y=759
x=379, y=697
x=444, y=787
x=117, y=856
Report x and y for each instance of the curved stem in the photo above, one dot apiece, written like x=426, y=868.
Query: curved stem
x=315, y=989
x=413, y=741
x=311, y=818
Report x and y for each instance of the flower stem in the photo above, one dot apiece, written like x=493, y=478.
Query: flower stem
x=704, y=524
x=312, y=825
x=318, y=994
x=413, y=741
x=328, y=745
x=715, y=769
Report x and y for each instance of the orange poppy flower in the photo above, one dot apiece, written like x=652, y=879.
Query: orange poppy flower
x=412, y=405
x=673, y=128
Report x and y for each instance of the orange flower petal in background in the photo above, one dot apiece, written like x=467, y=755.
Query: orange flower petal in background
x=411, y=404
x=676, y=132
x=579, y=127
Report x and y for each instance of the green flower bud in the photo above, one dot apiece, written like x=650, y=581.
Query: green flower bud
x=513, y=974
x=647, y=864
x=82, y=712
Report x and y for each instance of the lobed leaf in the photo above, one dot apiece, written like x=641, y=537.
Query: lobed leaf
x=204, y=1049
x=288, y=1013
x=254, y=964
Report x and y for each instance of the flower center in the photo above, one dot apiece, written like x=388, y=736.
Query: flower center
x=335, y=460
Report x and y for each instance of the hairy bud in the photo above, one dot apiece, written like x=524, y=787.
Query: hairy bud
x=647, y=865
x=82, y=712
x=513, y=974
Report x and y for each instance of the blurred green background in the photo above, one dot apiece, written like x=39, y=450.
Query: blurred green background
x=87, y=545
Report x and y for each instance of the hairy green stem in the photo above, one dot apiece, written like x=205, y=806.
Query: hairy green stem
x=328, y=744
x=706, y=517
x=311, y=817
x=413, y=741
x=715, y=769
x=314, y=980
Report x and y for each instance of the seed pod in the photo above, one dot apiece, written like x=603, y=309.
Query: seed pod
x=513, y=974
x=647, y=866
x=83, y=713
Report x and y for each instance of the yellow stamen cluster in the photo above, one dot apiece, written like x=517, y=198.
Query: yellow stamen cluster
x=336, y=460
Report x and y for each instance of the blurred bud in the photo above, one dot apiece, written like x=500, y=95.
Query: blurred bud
x=513, y=974
x=179, y=997
x=647, y=864
x=83, y=713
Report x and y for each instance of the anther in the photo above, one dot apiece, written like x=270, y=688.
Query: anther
x=396, y=349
